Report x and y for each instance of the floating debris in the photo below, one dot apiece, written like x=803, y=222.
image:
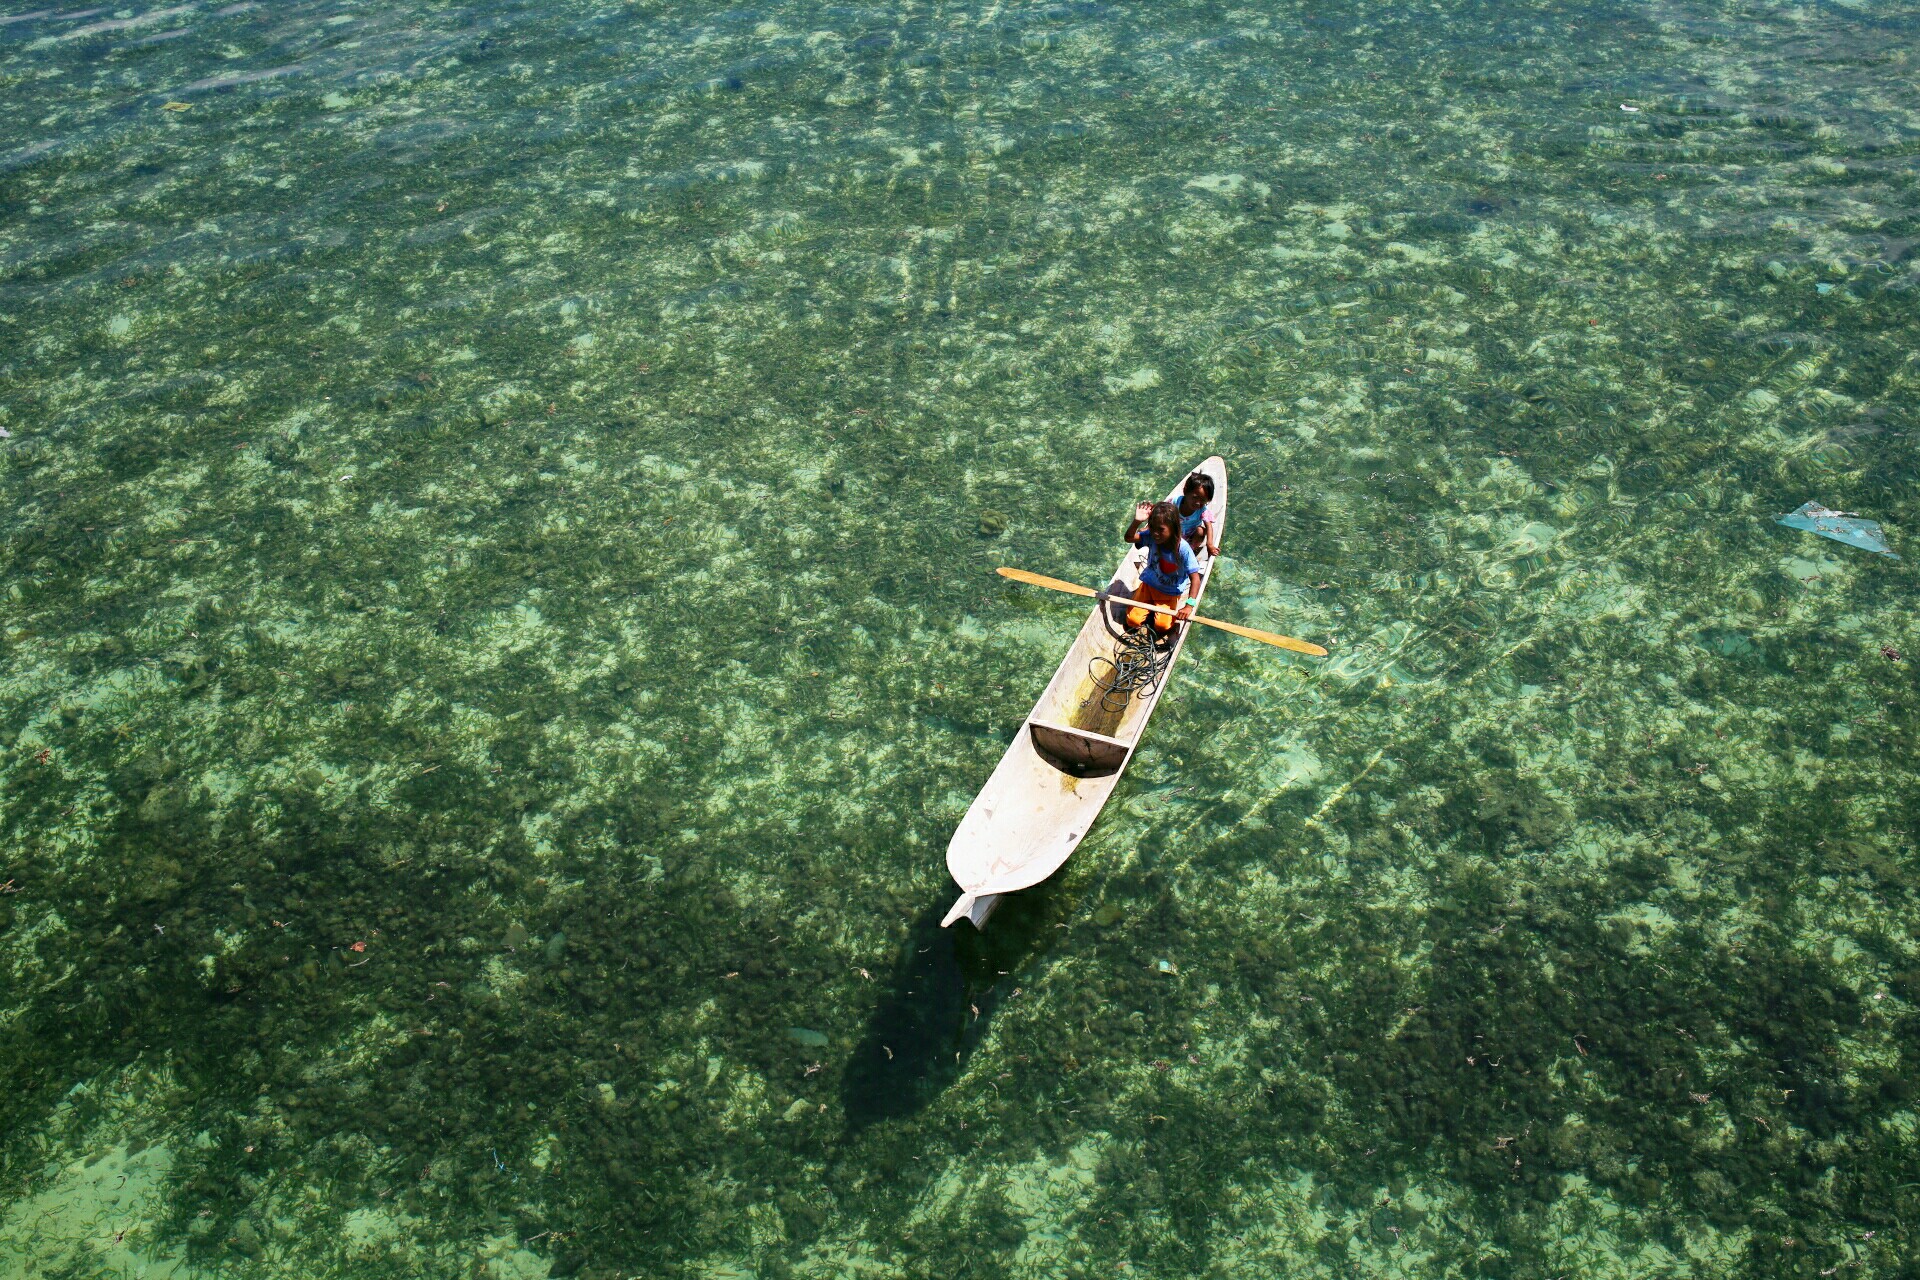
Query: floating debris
x=1841, y=526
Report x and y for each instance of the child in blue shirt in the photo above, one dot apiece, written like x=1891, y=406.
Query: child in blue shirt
x=1196, y=523
x=1170, y=565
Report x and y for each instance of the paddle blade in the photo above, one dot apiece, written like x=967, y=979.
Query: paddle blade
x=1041, y=580
x=1265, y=637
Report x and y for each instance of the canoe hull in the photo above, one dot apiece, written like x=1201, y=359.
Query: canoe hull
x=975, y=909
x=1068, y=757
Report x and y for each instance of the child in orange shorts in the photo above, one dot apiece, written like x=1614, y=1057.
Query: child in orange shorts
x=1169, y=569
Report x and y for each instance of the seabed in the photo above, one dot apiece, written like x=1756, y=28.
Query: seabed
x=497, y=625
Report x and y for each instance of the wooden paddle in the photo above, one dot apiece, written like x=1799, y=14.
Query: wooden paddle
x=1074, y=588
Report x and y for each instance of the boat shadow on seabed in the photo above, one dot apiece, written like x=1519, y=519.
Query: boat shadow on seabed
x=937, y=1002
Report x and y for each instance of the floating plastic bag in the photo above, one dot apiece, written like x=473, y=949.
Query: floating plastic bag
x=1840, y=526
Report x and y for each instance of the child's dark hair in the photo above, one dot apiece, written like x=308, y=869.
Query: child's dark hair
x=1163, y=522
x=1205, y=483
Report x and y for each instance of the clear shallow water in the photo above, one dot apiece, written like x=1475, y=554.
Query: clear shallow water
x=422, y=858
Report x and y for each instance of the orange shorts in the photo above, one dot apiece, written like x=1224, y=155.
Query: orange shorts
x=1161, y=622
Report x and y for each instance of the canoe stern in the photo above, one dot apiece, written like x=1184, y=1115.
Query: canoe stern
x=975, y=907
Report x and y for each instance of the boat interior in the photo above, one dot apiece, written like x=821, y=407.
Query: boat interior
x=1081, y=725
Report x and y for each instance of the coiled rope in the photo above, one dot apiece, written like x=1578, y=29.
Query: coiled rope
x=1138, y=665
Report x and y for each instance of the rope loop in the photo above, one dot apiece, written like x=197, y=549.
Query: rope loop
x=1138, y=665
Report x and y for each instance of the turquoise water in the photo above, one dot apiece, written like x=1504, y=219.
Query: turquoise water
x=499, y=510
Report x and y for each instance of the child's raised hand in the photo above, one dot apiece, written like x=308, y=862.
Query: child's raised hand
x=1141, y=510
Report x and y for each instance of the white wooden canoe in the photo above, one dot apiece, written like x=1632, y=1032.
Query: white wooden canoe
x=1067, y=758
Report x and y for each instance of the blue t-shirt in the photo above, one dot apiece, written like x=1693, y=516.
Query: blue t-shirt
x=1167, y=571
x=1190, y=524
